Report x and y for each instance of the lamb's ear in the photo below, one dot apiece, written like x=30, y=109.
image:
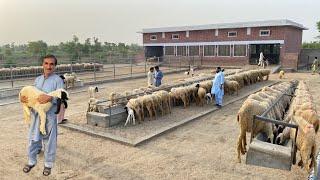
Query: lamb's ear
x=64, y=95
x=65, y=104
x=58, y=106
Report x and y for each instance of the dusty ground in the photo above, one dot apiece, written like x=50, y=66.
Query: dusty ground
x=203, y=149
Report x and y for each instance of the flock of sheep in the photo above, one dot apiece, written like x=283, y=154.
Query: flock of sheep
x=31, y=71
x=257, y=104
x=152, y=100
x=300, y=111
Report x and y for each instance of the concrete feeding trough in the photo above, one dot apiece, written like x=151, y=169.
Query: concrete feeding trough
x=262, y=153
x=265, y=154
x=107, y=117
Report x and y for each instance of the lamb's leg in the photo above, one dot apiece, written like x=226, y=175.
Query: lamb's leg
x=43, y=117
x=26, y=114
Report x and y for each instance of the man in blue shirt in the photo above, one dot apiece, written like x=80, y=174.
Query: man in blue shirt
x=217, y=87
x=158, y=76
x=47, y=83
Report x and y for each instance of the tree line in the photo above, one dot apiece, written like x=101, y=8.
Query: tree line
x=73, y=51
x=313, y=44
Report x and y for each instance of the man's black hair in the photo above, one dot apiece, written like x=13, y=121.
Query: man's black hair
x=156, y=67
x=151, y=68
x=50, y=56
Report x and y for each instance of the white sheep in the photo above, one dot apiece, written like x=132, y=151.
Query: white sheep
x=92, y=91
x=92, y=105
x=32, y=93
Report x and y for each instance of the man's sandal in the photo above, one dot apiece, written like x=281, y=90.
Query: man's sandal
x=27, y=168
x=46, y=171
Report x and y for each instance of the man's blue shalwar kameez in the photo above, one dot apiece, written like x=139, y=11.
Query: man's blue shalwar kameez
x=216, y=89
x=47, y=85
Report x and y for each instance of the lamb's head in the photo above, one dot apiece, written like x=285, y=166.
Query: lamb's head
x=96, y=89
x=60, y=93
x=197, y=85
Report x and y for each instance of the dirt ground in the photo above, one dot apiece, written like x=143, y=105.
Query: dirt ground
x=202, y=149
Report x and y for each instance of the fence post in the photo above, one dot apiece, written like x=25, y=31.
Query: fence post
x=131, y=66
x=114, y=70
x=94, y=72
x=158, y=60
x=179, y=63
x=11, y=76
x=145, y=65
x=71, y=69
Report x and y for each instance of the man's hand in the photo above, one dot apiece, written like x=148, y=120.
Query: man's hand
x=221, y=86
x=24, y=99
x=43, y=98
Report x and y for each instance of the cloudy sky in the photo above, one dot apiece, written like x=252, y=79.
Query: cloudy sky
x=54, y=21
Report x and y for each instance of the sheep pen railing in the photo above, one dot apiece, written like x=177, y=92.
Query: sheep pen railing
x=273, y=155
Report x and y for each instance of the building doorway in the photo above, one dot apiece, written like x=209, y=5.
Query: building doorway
x=270, y=51
x=153, y=51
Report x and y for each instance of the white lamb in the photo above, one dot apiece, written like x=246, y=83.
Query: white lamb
x=92, y=91
x=32, y=93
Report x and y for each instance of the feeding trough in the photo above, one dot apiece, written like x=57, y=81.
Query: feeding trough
x=266, y=154
x=262, y=153
x=107, y=116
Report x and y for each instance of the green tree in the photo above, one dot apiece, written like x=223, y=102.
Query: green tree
x=37, y=48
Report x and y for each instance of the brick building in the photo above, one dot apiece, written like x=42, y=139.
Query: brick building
x=228, y=43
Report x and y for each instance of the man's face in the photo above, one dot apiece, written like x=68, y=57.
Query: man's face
x=48, y=66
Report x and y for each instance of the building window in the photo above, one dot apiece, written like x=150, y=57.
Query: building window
x=194, y=50
x=187, y=34
x=175, y=36
x=181, y=51
x=153, y=37
x=232, y=34
x=239, y=50
x=169, y=50
x=264, y=32
x=216, y=32
x=248, y=31
x=163, y=35
x=224, y=50
x=209, y=50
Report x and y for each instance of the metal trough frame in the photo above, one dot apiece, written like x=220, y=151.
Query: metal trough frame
x=263, y=117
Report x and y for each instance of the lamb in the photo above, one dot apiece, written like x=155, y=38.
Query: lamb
x=70, y=79
x=245, y=115
x=116, y=98
x=32, y=93
x=281, y=74
x=131, y=118
x=92, y=91
x=92, y=105
x=209, y=98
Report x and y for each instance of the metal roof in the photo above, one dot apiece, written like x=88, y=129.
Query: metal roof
x=282, y=22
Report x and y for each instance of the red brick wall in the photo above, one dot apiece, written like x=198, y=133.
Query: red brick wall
x=276, y=33
x=290, y=60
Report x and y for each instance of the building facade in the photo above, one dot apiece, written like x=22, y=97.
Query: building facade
x=229, y=43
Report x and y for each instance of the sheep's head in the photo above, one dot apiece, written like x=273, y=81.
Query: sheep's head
x=60, y=93
x=96, y=89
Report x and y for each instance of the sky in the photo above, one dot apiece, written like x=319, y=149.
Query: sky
x=55, y=21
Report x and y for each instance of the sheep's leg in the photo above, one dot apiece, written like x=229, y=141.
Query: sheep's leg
x=43, y=117
x=153, y=108
x=26, y=114
x=150, y=112
x=305, y=154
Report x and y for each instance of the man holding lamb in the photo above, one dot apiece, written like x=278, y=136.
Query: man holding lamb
x=47, y=83
x=217, y=87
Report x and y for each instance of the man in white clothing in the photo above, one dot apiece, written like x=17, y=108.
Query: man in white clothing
x=151, y=76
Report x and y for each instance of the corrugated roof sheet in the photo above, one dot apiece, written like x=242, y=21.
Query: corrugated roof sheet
x=282, y=22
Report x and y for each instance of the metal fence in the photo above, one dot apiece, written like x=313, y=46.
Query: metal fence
x=110, y=68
